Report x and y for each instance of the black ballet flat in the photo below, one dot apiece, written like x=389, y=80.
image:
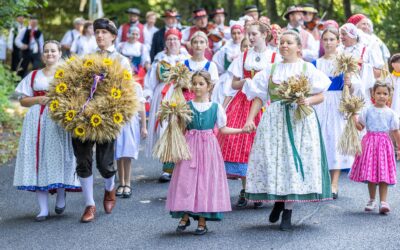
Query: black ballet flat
x=335, y=195
x=201, y=230
x=181, y=227
x=41, y=218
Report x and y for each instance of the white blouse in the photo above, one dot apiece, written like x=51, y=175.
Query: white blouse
x=195, y=66
x=134, y=50
x=84, y=45
x=254, y=61
x=379, y=119
x=221, y=115
x=231, y=50
x=258, y=86
x=41, y=83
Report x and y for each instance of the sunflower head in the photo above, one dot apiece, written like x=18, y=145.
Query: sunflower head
x=59, y=74
x=127, y=75
x=70, y=115
x=79, y=131
x=118, y=118
x=107, y=62
x=173, y=104
x=95, y=120
x=71, y=59
x=54, y=105
x=88, y=63
x=115, y=93
x=61, y=88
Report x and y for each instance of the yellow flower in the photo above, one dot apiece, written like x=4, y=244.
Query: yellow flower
x=88, y=63
x=118, y=118
x=95, y=120
x=70, y=115
x=59, y=74
x=127, y=75
x=107, y=61
x=79, y=131
x=115, y=93
x=54, y=105
x=71, y=59
x=61, y=88
x=173, y=104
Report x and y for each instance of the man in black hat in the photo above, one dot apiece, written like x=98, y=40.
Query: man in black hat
x=252, y=11
x=16, y=28
x=158, y=43
x=295, y=17
x=30, y=41
x=218, y=16
x=134, y=15
x=106, y=34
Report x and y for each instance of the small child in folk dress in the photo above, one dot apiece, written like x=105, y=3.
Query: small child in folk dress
x=45, y=160
x=376, y=164
x=127, y=146
x=199, y=187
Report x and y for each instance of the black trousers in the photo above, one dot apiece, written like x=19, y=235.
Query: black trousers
x=28, y=58
x=83, y=152
x=15, y=58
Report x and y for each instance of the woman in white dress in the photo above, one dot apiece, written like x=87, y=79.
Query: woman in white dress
x=85, y=43
x=223, y=58
x=156, y=88
x=287, y=162
x=370, y=61
x=331, y=120
x=45, y=160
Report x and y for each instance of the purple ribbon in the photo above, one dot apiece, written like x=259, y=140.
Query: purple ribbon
x=96, y=80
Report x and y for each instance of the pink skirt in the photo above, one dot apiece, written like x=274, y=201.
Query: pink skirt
x=377, y=162
x=200, y=185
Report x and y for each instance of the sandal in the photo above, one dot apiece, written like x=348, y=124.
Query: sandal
x=119, y=191
x=201, y=230
x=127, y=194
x=182, y=225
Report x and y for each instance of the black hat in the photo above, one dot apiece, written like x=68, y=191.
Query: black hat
x=133, y=11
x=292, y=9
x=33, y=17
x=251, y=8
x=218, y=11
x=105, y=23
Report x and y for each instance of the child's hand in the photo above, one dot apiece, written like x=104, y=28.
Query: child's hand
x=143, y=132
x=398, y=155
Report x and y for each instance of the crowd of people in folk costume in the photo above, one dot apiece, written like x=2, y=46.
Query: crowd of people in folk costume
x=240, y=127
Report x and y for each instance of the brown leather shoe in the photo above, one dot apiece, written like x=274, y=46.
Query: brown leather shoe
x=109, y=201
x=89, y=214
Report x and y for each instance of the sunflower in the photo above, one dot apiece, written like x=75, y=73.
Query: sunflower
x=69, y=116
x=173, y=104
x=79, y=131
x=115, y=93
x=107, y=61
x=71, y=59
x=88, y=63
x=59, y=74
x=95, y=120
x=127, y=75
x=61, y=88
x=118, y=118
x=54, y=105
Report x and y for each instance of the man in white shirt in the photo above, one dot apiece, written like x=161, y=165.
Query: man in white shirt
x=71, y=35
x=30, y=41
x=149, y=28
x=15, y=51
x=294, y=15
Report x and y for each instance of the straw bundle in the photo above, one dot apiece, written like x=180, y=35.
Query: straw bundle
x=92, y=97
x=294, y=89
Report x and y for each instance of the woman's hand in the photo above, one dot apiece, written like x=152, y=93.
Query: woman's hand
x=43, y=100
x=143, y=132
x=303, y=101
x=347, y=80
x=249, y=127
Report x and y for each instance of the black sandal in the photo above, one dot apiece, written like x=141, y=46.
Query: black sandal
x=182, y=227
x=127, y=194
x=201, y=230
x=119, y=193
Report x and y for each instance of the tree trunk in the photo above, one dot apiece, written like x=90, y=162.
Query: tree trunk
x=347, y=8
x=272, y=11
x=317, y=5
x=329, y=11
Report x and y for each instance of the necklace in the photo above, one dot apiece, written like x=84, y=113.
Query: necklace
x=258, y=59
x=395, y=73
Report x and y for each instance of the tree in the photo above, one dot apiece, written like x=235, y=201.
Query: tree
x=11, y=8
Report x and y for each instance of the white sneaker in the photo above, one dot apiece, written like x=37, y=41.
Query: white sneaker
x=371, y=205
x=384, y=208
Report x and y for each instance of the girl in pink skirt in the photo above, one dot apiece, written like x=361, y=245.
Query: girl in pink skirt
x=376, y=165
x=199, y=187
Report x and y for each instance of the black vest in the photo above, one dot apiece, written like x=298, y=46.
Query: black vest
x=36, y=35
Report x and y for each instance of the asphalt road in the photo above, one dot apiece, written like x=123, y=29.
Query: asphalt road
x=142, y=222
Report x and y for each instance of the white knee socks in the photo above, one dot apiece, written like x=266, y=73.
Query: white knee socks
x=60, y=200
x=289, y=205
x=109, y=183
x=43, y=197
x=87, y=189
